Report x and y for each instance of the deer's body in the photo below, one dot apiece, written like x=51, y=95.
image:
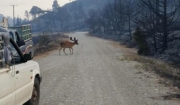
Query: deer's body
x=68, y=44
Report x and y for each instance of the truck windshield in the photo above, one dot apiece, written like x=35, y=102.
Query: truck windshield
x=11, y=35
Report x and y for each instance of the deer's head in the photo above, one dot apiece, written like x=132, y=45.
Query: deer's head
x=75, y=40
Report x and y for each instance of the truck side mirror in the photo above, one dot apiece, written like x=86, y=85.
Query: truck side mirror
x=26, y=57
x=20, y=43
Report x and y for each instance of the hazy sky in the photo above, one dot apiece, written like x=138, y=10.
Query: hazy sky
x=23, y=5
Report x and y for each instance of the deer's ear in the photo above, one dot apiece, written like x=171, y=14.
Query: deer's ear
x=74, y=38
x=70, y=38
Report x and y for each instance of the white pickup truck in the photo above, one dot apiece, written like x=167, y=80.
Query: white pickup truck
x=19, y=83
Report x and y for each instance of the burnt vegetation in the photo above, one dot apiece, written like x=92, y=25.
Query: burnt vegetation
x=153, y=26
x=70, y=17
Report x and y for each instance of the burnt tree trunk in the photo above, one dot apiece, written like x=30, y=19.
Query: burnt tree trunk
x=165, y=27
x=129, y=22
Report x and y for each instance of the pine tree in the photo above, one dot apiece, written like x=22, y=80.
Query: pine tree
x=140, y=40
x=55, y=5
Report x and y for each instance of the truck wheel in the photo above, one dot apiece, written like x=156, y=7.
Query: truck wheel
x=35, y=94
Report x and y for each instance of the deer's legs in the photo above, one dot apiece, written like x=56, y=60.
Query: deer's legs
x=64, y=51
x=60, y=50
x=72, y=51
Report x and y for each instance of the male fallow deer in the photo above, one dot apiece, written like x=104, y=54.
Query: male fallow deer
x=68, y=44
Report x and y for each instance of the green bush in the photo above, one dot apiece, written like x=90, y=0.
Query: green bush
x=140, y=40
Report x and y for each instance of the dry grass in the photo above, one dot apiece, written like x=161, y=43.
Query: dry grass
x=168, y=72
x=41, y=50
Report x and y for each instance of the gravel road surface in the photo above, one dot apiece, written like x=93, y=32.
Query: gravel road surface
x=96, y=75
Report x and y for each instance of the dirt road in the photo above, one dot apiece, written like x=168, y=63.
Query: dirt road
x=96, y=75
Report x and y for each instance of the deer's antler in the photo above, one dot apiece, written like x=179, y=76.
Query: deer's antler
x=75, y=39
x=71, y=39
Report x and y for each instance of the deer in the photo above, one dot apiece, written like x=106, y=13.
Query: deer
x=68, y=44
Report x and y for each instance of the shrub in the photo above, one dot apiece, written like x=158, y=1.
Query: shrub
x=44, y=40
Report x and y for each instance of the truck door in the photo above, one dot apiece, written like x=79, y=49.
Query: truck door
x=7, y=86
x=23, y=79
x=23, y=82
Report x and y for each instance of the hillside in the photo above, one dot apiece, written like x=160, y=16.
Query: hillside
x=86, y=4
x=70, y=17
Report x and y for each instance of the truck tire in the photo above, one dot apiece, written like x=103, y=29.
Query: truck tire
x=35, y=94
